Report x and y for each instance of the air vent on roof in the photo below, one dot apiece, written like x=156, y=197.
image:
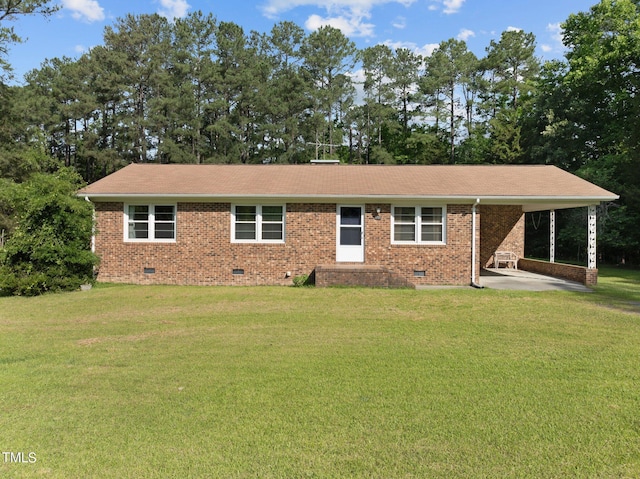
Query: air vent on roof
x=325, y=162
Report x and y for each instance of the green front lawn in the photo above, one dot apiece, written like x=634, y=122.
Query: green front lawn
x=135, y=381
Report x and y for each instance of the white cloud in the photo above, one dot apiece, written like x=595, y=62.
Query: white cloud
x=555, y=44
x=514, y=29
x=448, y=6
x=465, y=34
x=85, y=10
x=452, y=6
x=556, y=32
x=275, y=7
x=350, y=26
x=428, y=49
x=350, y=16
x=400, y=23
x=173, y=9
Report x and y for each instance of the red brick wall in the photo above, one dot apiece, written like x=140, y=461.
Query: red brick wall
x=203, y=253
x=502, y=229
x=579, y=274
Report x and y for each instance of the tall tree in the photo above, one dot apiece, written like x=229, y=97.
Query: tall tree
x=549, y=124
x=447, y=69
x=513, y=63
x=603, y=80
x=141, y=46
x=404, y=73
x=102, y=72
x=512, y=67
x=328, y=57
x=193, y=75
x=378, y=113
x=58, y=105
x=240, y=75
x=287, y=95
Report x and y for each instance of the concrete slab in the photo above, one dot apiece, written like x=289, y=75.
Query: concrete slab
x=505, y=278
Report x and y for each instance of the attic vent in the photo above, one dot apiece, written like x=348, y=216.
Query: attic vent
x=325, y=162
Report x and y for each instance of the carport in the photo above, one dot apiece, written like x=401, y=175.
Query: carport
x=501, y=219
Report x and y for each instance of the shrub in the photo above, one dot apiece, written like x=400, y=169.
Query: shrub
x=302, y=280
x=49, y=248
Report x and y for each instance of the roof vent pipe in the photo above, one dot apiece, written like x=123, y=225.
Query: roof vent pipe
x=473, y=245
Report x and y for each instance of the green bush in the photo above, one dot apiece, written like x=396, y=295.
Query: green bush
x=302, y=280
x=49, y=248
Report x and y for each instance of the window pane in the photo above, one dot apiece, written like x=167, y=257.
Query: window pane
x=164, y=213
x=139, y=212
x=404, y=215
x=432, y=215
x=431, y=233
x=350, y=215
x=404, y=228
x=245, y=231
x=164, y=231
x=272, y=231
x=350, y=236
x=404, y=233
x=138, y=230
x=272, y=213
x=245, y=213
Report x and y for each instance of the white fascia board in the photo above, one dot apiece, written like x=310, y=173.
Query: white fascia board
x=530, y=203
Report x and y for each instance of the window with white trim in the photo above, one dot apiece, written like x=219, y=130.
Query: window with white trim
x=150, y=223
x=419, y=224
x=257, y=223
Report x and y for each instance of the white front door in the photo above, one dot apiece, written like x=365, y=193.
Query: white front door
x=350, y=241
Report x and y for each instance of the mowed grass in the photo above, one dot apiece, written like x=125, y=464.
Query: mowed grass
x=137, y=381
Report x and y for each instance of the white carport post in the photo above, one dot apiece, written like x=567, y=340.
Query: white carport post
x=593, y=231
x=552, y=236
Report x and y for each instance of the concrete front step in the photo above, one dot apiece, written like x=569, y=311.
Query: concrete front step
x=372, y=276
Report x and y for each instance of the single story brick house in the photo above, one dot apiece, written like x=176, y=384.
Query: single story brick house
x=265, y=224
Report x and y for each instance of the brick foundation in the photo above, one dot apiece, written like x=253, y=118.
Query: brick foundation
x=358, y=275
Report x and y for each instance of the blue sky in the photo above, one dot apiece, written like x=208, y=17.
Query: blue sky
x=415, y=24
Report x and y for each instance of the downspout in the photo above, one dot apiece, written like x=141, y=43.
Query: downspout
x=93, y=225
x=473, y=245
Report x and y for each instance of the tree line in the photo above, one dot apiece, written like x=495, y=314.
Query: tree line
x=202, y=91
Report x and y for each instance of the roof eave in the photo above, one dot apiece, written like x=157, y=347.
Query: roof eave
x=530, y=203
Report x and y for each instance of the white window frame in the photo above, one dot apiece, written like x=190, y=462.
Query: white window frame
x=418, y=225
x=151, y=220
x=259, y=223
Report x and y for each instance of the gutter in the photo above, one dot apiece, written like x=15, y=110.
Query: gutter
x=459, y=199
x=473, y=245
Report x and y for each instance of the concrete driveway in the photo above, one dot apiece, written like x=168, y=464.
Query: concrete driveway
x=505, y=278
